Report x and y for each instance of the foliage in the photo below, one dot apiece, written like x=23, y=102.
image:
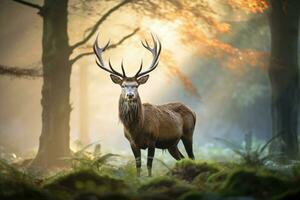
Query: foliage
x=195, y=195
x=186, y=180
x=16, y=184
x=158, y=183
x=8, y=170
x=14, y=189
x=85, y=159
x=248, y=153
x=165, y=186
x=249, y=182
x=85, y=180
x=188, y=170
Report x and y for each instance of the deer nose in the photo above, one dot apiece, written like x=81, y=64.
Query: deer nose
x=130, y=95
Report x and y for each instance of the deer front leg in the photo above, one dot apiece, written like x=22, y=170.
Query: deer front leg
x=151, y=152
x=137, y=155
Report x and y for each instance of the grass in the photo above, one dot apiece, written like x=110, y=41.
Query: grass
x=184, y=180
x=251, y=183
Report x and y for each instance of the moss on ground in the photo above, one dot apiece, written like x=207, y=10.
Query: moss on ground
x=105, y=196
x=81, y=184
x=187, y=180
x=74, y=180
x=16, y=189
x=252, y=183
x=293, y=193
x=188, y=170
x=165, y=186
x=196, y=195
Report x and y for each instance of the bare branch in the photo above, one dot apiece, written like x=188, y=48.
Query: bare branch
x=81, y=56
x=109, y=47
x=99, y=22
x=30, y=73
x=32, y=5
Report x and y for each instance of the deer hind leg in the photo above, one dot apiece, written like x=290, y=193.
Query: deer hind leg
x=175, y=153
x=188, y=145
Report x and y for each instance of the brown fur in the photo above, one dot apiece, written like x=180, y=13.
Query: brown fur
x=163, y=125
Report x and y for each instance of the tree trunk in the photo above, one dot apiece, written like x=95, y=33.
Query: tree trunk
x=283, y=73
x=83, y=106
x=54, y=139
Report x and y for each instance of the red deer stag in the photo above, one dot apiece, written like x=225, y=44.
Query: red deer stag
x=145, y=125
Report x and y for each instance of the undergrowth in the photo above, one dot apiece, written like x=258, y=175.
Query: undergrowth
x=186, y=180
x=249, y=153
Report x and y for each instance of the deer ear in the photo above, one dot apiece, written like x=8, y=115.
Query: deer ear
x=116, y=79
x=143, y=79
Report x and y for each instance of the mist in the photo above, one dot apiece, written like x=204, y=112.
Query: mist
x=230, y=98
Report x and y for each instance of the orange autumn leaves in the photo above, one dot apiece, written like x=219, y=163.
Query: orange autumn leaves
x=250, y=6
x=200, y=27
x=203, y=37
x=172, y=68
x=228, y=55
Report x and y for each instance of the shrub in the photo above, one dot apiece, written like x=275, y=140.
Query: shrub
x=248, y=153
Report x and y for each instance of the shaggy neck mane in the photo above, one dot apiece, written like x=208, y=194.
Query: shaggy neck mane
x=131, y=114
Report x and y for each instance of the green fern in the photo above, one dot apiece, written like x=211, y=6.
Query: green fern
x=85, y=159
x=248, y=153
x=12, y=172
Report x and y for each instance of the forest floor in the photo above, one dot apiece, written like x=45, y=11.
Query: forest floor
x=185, y=180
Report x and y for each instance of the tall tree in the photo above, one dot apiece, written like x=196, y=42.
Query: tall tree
x=57, y=67
x=54, y=139
x=284, y=74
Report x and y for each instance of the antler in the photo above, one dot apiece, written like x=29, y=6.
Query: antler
x=155, y=53
x=98, y=51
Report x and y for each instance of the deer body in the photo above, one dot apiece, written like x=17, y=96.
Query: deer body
x=162, y=125
x=149, y=126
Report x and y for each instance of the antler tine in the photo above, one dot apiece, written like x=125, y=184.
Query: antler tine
x=113, y=70
x=155, y=44
x=98, y=52
x=102, y=67
x=155, y=51
x=123, y=70
x=140, y=69
x=146, y=45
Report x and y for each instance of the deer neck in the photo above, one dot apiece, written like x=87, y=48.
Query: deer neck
x=131, y=114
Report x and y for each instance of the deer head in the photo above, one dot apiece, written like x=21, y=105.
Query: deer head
x=129, y=85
